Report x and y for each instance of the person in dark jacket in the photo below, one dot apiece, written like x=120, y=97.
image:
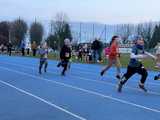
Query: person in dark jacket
x=97, y=47
x=65, y=55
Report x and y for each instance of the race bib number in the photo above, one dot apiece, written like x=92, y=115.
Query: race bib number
x=67, y=55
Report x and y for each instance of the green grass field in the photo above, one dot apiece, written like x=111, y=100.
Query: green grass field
x=148, y=63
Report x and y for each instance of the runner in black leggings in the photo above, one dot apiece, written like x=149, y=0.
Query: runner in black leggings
x=65, y=55
x=135, y=65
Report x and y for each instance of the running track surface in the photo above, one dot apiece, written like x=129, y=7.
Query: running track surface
x=81, y=95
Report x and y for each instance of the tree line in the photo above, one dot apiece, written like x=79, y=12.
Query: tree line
x=16, y=32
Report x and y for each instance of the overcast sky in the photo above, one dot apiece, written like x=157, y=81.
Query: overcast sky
x=103, y=11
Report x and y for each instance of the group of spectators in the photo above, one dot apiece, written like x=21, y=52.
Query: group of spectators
x=90, y=52
x=24, y=49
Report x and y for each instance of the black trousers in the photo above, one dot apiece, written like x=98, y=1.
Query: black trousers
x=133, y=70
x=9, y=51
x=2, y=49
x=80, y=57
x=64, y=64
x=28, y=50
x=34, y=52
x=23, y=52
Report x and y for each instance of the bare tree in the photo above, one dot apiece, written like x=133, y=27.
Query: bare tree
x=18, y=31
x=36, y=32
x=4, y=32
x=61, y=29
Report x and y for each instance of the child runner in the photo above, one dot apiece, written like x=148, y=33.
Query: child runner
x=65, y=55
x=113, y=57
x=135, y=64
x=43, y=52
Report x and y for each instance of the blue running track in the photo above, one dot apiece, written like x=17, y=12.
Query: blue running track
x=81, y=95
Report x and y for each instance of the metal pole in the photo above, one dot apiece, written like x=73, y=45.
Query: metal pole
x=93, y=31
x=105, y=33
x=80, y=34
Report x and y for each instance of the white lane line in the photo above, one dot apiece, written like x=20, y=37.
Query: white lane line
x=86, y=91
x=86, y=79
x=42, y=100
x=91, y=73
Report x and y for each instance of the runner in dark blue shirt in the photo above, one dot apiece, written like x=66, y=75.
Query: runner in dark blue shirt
x=135, y=64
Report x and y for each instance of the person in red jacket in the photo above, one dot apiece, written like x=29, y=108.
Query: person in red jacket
x=113, y=57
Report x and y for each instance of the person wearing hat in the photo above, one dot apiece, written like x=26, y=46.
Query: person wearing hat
x=113, y=57
x=65, y=55
x=135, y=64
x=43, y=52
